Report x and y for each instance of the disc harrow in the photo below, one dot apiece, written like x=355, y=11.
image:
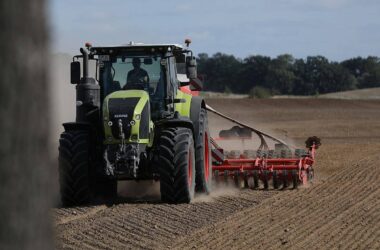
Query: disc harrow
x=264, y=168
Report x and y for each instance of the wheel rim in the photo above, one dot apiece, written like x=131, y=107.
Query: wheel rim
x=190, y=169
x=206, y=158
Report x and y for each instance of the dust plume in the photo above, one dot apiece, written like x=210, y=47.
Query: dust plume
x=139, y=190
x=225, y=189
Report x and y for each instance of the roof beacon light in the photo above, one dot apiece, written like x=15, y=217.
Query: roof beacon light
x=187, y=42
x=88, y=45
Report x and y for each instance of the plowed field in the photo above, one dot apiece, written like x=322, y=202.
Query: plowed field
x=339, y=210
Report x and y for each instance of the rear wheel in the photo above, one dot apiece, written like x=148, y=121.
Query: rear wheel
x=177, y=165
x=203, y=156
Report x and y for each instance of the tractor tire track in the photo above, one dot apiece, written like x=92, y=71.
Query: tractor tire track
x=150, y=226
x=310, y=220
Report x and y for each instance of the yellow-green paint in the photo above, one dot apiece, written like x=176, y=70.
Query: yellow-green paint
x=144, y=100
x=183, y=108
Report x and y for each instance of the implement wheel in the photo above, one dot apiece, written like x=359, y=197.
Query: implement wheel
x=203, y=156
x=177, y=165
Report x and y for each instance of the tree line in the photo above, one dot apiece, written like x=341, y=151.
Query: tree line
x=262, y=76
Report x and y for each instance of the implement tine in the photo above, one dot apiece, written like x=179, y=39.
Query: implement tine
x=245, y=176
x=236, y=178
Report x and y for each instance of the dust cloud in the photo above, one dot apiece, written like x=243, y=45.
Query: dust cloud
x=62, y=96
x=223, y=189
x=139, y=190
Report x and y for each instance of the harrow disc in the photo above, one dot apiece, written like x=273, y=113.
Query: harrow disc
x=286, y=153
x=225, y=175
x=255, y=179
x=265, y=179
x=284, y=179
x=237, y=178
x=275, y=180
x=245, y=176
x=249, y=154
x=295, y=179
x=216, y=177
x=262, y=153
x=234, y=154
x=271, y=154
x=299, y=153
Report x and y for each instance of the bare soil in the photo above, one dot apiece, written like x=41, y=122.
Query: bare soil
x=339, y=210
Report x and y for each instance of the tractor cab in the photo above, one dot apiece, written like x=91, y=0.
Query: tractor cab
x=160, y=70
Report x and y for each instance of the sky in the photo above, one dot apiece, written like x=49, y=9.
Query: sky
x=336, y=29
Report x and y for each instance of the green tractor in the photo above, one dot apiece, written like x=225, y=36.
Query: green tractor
x=135, y=120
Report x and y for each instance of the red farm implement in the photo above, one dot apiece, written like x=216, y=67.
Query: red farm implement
x=280, y=166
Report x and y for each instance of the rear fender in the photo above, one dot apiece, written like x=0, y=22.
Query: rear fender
x=197, y=104
x=175, y=122
x=183, y=108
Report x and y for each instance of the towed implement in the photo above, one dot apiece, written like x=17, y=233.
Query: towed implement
x=140, y=118
x=280, y=165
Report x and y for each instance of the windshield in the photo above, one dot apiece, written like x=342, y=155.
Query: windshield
x=133, y=72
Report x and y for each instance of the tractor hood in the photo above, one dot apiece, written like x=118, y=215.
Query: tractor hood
x=126, y=115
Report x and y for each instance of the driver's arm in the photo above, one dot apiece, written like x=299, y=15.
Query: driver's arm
x=146, y=77
x=129, y=78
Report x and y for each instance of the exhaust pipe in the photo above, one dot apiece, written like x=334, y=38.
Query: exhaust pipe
x=85, y=66
x=88, y=94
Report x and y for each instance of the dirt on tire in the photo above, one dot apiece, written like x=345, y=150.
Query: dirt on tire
x=339, y=210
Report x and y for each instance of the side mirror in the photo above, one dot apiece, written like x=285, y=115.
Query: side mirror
x=196, y=84
x=75, y=72
x=191, y=67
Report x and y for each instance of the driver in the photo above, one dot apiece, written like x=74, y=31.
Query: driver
x=137, y=75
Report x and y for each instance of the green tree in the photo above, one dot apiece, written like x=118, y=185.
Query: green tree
x=366, y=70
x=280, y=77
x=254, y=70
x=221, y=70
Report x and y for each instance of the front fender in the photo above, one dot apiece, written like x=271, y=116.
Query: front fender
x=72, y=126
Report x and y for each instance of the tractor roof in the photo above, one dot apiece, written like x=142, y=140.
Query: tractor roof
x=139, y=47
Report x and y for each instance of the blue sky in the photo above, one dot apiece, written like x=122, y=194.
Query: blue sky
x=337, y=29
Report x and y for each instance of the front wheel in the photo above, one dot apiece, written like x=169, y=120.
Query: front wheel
x=177, y=165
x=74, y=168
x=78, y=184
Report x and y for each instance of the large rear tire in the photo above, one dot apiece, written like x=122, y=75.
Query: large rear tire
x=177, y=165
x=74, y=174
x=203, y=156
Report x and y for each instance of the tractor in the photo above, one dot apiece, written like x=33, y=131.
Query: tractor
x=135, y=120
x=141, y=118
